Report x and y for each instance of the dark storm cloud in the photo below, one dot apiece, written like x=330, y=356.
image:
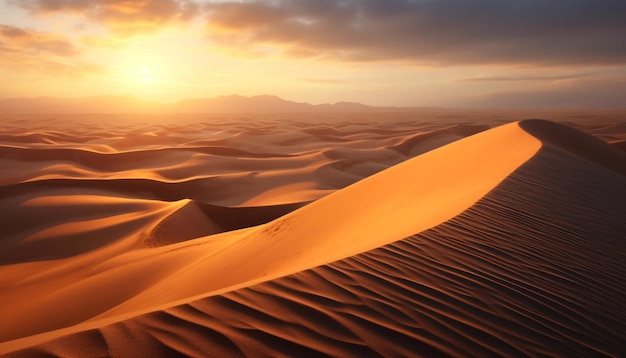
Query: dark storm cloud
x=124, y=17
x=554, y=32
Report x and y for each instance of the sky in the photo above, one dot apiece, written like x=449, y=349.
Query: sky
x=444, y=53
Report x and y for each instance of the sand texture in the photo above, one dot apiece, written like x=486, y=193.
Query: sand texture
x=318, y=236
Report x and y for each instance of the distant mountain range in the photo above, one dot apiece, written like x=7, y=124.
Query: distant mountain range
x=222, y=104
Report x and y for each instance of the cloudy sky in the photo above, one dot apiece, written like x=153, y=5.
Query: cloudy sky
x=449, y=53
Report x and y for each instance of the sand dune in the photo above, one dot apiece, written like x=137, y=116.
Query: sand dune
x=507, y=242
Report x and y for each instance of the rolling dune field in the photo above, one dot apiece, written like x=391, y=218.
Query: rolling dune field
x=312, y=235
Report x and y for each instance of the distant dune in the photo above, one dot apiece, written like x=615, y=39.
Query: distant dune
x=297, y=236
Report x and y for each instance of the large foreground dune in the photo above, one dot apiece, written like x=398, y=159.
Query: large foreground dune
x=274, y=238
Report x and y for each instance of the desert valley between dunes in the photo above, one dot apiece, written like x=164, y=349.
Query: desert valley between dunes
x=318, y=234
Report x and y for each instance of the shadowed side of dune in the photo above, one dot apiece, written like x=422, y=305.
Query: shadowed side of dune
x=197, y=219
x=137, y=188
x=422, y=142
x=535, y=268
x=198, y=189
x=577, y=143
x=48, y=225
x=120, y=160
x=233, y=218
x=620, y=145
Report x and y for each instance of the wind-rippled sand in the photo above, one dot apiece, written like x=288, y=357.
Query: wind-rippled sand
x=257, y=236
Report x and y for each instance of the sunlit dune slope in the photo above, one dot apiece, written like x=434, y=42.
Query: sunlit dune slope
x=509, y=242
x=405, y=199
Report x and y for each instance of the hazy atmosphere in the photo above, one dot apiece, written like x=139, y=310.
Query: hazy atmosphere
x=312, y=178
x=448, y=53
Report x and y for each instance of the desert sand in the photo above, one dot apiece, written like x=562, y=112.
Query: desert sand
x=311, y=235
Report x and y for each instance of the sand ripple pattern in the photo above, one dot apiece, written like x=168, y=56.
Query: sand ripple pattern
x=535, y=268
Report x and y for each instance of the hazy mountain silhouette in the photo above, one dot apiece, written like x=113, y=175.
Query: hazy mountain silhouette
x=222, y=104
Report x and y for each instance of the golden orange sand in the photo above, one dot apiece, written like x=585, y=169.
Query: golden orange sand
x=149, y=249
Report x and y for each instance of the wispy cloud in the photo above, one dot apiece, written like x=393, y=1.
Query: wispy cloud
x=40, y=51
x=526, y=78
x=32, y=42
x=123, y=17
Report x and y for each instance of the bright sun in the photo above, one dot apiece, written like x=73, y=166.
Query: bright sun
x=145, y=75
